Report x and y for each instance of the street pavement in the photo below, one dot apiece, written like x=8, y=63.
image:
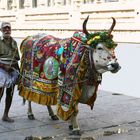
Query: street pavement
x=114, y=117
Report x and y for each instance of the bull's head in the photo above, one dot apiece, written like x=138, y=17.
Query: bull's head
x=102, y=46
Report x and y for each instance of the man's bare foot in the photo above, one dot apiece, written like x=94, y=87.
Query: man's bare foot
x=7, y=119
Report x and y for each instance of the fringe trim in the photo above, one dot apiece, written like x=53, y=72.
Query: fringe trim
x=64, y=115
x=38, y=98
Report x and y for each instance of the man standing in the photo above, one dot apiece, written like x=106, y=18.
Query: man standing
x=9, y=57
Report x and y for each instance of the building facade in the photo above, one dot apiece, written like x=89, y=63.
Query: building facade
x=62, y=17
x=21, y=4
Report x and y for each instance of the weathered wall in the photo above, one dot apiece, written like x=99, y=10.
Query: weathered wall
x=62, y=21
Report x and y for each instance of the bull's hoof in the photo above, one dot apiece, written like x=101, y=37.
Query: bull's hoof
x=76, y=132
x=29, y=138
x=70, y=127
x=31, y=117
x=54, y=117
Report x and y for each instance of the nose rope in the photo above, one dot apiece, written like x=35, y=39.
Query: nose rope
x=92, y=65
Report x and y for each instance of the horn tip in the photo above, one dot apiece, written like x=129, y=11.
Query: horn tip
x=87, y=17
x=113, y=18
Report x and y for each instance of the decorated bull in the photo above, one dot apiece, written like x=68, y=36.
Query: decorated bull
x=66, y=71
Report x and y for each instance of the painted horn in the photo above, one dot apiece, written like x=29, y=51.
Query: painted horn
x=84, y=26
x=112, y=26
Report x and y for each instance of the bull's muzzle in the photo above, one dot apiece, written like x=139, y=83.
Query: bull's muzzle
x=114, y=67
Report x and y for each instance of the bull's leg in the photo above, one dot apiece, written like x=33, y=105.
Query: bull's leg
x=74, y=124
x=30, y=112
x=51, y=113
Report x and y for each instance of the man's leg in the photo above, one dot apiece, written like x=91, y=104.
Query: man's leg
x=8, y=102
x=1, y=92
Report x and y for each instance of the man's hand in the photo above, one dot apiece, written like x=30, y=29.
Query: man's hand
x=7, y=68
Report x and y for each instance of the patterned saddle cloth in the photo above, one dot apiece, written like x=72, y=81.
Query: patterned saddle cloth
x=49, y=66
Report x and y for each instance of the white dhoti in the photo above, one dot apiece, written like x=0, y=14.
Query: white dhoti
x=7, y=79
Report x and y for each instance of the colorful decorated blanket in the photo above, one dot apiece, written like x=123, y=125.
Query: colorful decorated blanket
x=49, y=66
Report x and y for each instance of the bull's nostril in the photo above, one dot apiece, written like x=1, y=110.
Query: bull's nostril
x=113, y=56
x=115, y=65
x=108, y=57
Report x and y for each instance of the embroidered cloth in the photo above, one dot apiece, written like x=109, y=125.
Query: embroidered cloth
x=39, y=68
x=50, y=70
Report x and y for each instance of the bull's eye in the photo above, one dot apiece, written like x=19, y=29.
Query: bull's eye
x=113, y=56
x=100, y=49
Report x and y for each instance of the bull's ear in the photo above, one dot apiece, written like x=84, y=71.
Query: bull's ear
x=84, y=26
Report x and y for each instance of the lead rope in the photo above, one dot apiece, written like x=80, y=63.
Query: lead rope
x=81, y=81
